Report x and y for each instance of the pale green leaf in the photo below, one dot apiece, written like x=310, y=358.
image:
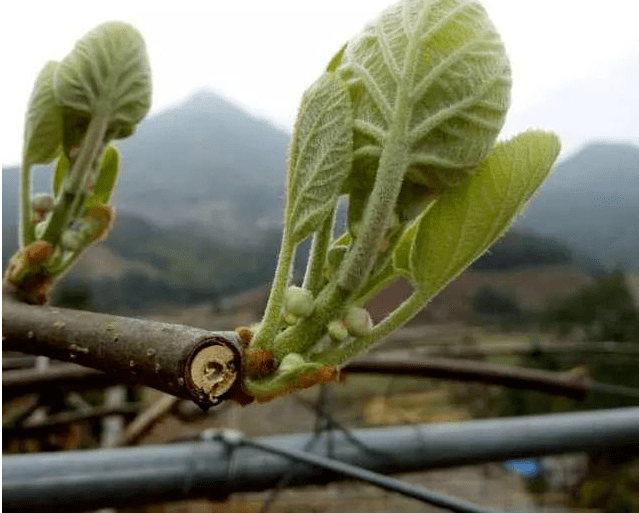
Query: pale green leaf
x=43, y=124
x=336, y=60
x=320, y=156
x=107, y=70
x=61, y=170
x=404, y=248
x=465, y=221
x=107, y=176
x=433, y=76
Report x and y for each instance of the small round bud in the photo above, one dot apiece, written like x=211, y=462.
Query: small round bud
x=290, y=318
x=298, y=301
x=291, y=362
x=337, y=331
x=358, y=322
x=71, y=240
x=42, y=202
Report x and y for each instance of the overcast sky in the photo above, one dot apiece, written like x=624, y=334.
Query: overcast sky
x=263, y=54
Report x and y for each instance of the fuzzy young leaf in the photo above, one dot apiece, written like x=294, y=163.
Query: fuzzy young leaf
x=43, y=124
x=107, y=176
x=320, y=155
x=108, y=70
x=434, y=74
x=466, y=220
x=336, y=60
x=61, y=170
x=404, y=248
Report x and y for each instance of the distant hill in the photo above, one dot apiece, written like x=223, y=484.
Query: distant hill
x=591, y=202
x=205, y=161
x=519, y=250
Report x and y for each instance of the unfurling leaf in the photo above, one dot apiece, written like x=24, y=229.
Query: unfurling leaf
x=107, y=176
x=466, y=220
x=43, y=124
x=336, y=60
x=404, y=248
x=61, y=170
x=434, y=75
x=108, y=71
x=320, y=156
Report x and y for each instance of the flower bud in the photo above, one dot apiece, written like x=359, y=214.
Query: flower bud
x=42, y=202
x=358, y=322
x=97, y=222
x=290, y=318
x=71, y=240
x=292, y=362
x=298, y=301
x=41, y=205
x=337, y=331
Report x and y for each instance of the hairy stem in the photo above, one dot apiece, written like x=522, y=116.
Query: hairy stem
x=364, y=250
x=27, y=229
x=271, y=319
x=314, y=278
x=66, y=202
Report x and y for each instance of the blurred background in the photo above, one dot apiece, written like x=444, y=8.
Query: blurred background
x=199, y=207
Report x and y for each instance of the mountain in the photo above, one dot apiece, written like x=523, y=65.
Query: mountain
x=591, y=203
x=206, y=162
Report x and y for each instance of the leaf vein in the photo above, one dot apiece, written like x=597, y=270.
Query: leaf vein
x=437, y=71
x=370, y=129
x=375, y=92
x=387, y=55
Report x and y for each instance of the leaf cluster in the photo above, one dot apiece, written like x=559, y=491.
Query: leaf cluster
x=97, y=93
x=403, y=122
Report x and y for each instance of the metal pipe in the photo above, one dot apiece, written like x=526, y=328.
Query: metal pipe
x=386, y=483
x=151, y=474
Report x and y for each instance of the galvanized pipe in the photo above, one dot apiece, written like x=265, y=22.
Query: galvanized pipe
x=151, y=474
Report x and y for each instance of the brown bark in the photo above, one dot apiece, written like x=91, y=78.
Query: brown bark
x=186, y=362
x=558, y=383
